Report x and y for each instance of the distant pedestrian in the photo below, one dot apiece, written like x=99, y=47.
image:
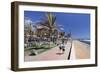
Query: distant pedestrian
x=62, y=48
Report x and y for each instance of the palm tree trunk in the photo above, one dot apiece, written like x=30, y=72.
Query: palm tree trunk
x=49, y=38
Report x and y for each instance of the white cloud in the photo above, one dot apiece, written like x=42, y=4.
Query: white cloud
x=27, y=21
x=61, y=28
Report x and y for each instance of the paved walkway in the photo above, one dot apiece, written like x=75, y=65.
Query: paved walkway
x=73, y=53
x=52, y=54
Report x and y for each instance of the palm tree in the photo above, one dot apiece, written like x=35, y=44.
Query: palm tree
x=30, y=34
x=51, y=22
x=51, y=25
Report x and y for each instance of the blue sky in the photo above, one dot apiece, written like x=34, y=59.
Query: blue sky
x=76, y=23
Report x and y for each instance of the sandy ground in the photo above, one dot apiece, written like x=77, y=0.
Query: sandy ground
x=79, y=51
x=82, y=50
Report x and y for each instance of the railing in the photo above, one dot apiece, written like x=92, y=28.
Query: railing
x=69, y=55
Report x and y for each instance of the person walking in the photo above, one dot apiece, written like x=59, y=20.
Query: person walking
x=62, y=48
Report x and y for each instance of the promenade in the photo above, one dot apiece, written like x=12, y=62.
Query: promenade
x=79, y=50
